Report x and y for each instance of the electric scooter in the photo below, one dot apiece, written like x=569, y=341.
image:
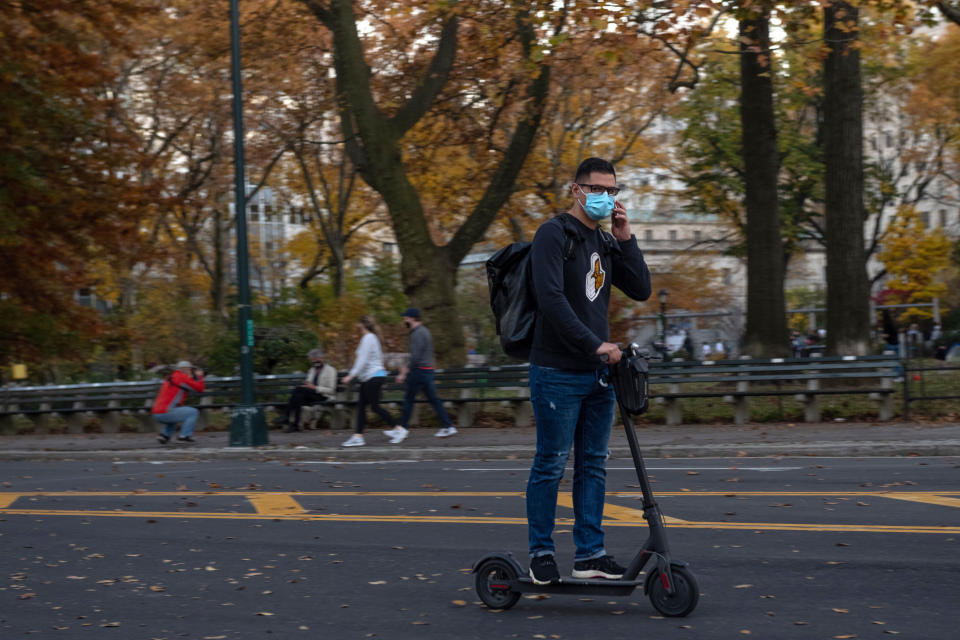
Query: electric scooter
x=671, y=587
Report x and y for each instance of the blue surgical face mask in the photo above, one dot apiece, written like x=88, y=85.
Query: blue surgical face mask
x=598, y=205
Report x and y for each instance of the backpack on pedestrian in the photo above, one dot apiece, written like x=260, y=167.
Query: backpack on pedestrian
x=512, y=300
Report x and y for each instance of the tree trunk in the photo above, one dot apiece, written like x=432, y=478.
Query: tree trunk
x=428, y=271
x=848, y=291
x=766, y=334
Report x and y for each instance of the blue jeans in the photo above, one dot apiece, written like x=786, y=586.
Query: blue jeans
x=418, y=379
x=572, y=408
x=186, y=415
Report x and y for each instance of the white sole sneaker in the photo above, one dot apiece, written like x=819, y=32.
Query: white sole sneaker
x=398, y=438
x=353, y=443
x=445, y=433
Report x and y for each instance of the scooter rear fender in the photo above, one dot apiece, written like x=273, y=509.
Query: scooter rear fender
x=506, y=557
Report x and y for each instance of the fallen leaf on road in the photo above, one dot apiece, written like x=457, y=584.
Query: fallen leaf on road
x=841, y=610
x=378, y=582
x=265, y=613
x=459, y=603
x=742, y=586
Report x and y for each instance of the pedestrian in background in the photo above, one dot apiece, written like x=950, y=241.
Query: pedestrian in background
x=418, y=374
x=369, y=370
x=320, y=384
x=168, y=408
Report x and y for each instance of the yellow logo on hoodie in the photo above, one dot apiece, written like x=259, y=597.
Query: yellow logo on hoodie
x=595, y=277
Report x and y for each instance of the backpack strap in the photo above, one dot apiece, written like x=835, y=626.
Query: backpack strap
x=573, y=237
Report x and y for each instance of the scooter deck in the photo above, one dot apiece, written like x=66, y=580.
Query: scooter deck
x=596, y=586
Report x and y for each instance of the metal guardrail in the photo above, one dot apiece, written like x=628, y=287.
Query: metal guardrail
x=732, y=381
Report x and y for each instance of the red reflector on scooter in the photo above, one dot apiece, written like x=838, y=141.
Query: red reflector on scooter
x=499, y=585
x=664, y=581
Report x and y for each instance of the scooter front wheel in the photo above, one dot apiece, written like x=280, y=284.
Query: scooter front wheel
x=492, y=584
x=686, y=592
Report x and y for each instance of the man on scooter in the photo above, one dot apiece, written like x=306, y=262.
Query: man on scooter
x=573, y=400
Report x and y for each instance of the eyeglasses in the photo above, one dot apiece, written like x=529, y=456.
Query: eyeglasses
x=599, y=188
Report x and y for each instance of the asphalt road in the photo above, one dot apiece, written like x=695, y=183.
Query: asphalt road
x=782, y=548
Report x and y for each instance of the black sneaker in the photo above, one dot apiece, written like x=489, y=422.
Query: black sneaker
x=602, y=567
x=163, y=438
x=543, y=570
x=187, y=439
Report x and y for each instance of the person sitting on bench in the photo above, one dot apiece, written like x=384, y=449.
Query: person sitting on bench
x=320, y=384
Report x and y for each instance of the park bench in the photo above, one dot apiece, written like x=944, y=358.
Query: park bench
x=806, y=379
x=464, y=390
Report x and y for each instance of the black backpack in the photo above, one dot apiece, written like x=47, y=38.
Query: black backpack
x=511, y=293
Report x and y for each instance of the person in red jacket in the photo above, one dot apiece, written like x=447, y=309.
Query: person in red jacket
x=168, y=408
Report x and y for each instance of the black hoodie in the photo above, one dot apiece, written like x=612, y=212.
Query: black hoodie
x=573, y=295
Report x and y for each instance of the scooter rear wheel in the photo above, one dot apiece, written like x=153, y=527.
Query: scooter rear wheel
x=686, y=593
x=491, y=582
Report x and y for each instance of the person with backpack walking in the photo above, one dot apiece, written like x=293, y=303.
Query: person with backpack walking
x=368, y=369
x=168, y=408
x=418, y=374
x=572, y=396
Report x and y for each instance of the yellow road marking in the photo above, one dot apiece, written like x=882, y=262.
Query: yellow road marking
x=284, y=506
x=274, y=504
x=472, y=494
x=617, y=512
x=924, y=497
x=408, y=519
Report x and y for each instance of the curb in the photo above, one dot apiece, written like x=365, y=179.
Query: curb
x=375, y=454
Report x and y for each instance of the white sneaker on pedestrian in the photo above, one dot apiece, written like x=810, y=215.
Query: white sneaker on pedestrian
x=445, y=432
x=356, y=440
x=390, y=433
x=399, y=435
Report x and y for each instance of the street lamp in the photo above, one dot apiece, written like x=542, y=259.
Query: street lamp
x=247, y=426
x=663, y=316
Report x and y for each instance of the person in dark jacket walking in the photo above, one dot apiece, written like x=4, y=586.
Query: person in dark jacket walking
x=573, y=399
x=418, y=374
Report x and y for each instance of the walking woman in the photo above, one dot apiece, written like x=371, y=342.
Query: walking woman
x=368, y=369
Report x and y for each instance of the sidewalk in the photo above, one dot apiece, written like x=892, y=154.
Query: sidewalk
x=656, y=441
